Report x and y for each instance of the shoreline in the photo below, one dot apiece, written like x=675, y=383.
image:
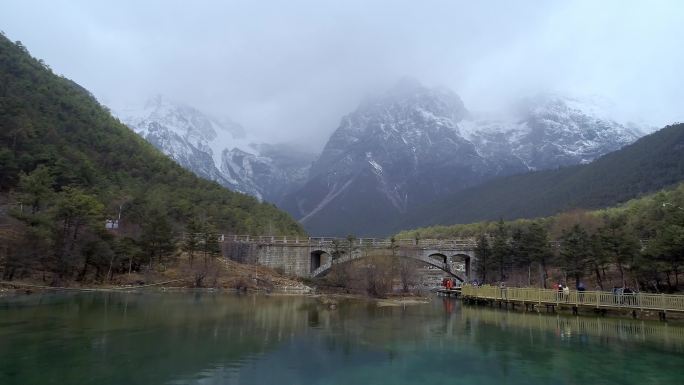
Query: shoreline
x=330, y=298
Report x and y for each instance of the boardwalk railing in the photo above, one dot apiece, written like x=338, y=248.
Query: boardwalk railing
x=597, y=299
x=457, y=244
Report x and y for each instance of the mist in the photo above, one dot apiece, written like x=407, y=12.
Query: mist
x=288, y=71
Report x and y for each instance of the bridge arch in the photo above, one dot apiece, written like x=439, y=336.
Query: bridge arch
x=439, y=256
x=441, y=263
x=318, y=258
x=467, y=262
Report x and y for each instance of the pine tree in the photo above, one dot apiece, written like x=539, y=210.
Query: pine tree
x=483, y=257
x=192, y=239
x=501, y=251
x=536, y=240
x=530, y=246
x=157, y=238
x=575, y=252
x=618, y=244
x=520, y=253
x=210, y=244
x=78, y=215
x=36, y=188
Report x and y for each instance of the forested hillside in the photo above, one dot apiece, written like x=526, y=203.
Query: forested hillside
x=66, y=166
x=639, y=244
x=651, y=163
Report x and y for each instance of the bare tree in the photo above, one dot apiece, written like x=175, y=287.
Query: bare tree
x=379, y=274
x=408, y=274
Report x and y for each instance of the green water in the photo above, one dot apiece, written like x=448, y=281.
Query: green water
x=204, y=338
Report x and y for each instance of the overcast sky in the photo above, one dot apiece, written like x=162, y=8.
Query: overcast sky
x=288, y=70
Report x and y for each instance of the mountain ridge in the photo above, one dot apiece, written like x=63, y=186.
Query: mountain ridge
x=653, y=162
x=415, y=144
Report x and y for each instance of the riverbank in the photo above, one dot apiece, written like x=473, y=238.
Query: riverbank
x=283, y=286
x=227, y=275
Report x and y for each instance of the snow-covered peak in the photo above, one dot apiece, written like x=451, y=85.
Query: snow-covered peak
x=216, y=149
x=595, y=107
x=551, y=130
x=408, y=97
x=209, y=134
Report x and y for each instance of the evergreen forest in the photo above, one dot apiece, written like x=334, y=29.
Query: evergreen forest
x=639, y=245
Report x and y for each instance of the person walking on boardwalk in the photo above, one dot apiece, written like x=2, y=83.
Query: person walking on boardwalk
x=580, y=291
x=566, y=292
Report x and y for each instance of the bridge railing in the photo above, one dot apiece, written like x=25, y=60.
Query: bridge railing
x=598, y=299
x=345, y=242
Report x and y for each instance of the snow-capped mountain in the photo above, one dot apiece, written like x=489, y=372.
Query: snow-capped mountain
x=414, y=144
x=218, y=149
x=398, y=151
x=549, y=131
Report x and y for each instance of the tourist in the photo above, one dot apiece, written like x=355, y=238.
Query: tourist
x=629, y=296
x=566, y=292
x=580, y=290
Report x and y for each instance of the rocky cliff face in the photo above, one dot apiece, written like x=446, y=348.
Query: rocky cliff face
x=415, y=144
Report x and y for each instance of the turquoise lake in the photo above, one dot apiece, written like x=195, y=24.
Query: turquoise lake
x=219, y=338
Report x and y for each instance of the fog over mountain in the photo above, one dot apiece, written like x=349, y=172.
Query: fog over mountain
x=288, y=71
x=415, y=145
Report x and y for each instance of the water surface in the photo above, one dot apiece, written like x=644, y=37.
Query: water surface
x=205, y=338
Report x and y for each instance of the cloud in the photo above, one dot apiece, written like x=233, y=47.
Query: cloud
x=289, y=70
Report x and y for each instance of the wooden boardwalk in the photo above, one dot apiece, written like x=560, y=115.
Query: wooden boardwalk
x=662, y=303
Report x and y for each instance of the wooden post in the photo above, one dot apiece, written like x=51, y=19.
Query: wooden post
x=598, y=295
x=540, y=293
x=558, y=294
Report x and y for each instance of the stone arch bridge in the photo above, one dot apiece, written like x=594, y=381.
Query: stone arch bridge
x=315, y=257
